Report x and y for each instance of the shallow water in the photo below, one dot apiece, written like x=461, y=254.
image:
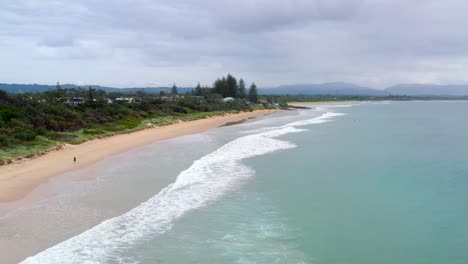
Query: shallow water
x=367, y=183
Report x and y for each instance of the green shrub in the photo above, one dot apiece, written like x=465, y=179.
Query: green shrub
x=130, y=122
x=40, y=131
x=26, y=135
x=4, y=140
x=62, y=136
x=93, y=131
x=112, y=127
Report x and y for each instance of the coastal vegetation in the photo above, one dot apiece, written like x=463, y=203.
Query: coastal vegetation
x=31, y=123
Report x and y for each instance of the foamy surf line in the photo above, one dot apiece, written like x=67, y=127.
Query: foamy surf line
x=324, y=118
x=204, y=181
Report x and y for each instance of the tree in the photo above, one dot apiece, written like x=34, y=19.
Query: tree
x=241, y=91
x=231, y=86
x=141, y=95
x=220, y=87
x=91, y=91
x=4, y=96
x=174, y=89
x=253, y=96
x=59, y=93
x=198, y=90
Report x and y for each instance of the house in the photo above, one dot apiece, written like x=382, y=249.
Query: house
x=76, y=101
x=125, y=99
x=263, y=101
x=228, y=99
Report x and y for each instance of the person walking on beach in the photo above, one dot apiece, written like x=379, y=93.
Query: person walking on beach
x=74, y=159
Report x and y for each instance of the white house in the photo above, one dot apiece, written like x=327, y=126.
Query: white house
x=125, y=99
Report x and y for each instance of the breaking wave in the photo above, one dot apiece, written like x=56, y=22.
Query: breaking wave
x=204, y=181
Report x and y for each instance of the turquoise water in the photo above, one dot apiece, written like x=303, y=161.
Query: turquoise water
x=382, y=183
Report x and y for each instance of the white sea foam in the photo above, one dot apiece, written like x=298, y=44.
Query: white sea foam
x=207, y=179
x=325, y=117
x=267, y=121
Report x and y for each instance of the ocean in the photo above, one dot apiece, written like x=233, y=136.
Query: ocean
x=383, y=182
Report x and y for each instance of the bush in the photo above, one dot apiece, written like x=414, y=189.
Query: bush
x=40, y=131
x=130, y=123
x=25, y=135
x=64, y=137
x=91, y=131
x=4, y=140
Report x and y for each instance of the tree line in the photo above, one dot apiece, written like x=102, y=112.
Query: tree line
x=226, y=86
x=25, y=118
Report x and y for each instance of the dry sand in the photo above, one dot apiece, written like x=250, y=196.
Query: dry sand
x=20, y=178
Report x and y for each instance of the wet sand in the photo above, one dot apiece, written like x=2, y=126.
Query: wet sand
x=20, y=178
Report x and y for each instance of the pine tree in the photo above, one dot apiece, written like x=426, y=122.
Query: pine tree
x=198, y=90
x=231, y=86
x=174, y=89
x=217, y=85
x=91, y=91
x=220, y=87
x=59, y=93
x=241, y=91
x=253, y=96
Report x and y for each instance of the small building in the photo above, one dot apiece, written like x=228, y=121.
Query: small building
x=76, y=101
x=263, y=101
x=125, y=99
x=228, y=99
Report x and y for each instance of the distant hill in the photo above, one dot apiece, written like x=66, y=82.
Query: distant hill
x=38, y=88
x=429, y=89
x=23, y=88
x=335, y=88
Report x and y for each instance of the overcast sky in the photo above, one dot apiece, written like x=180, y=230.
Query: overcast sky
x=157, y=42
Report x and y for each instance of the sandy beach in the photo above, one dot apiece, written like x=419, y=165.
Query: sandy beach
x=20, y=178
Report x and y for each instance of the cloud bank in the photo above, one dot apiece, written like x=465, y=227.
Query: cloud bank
x=158, y=42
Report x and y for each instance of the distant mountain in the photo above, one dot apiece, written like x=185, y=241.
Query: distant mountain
x=23, y=88
x=429, y=89
x=335, y=88
x=38, y=88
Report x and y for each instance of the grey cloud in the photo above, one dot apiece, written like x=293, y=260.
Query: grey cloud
x=57, y=41
x=255, y=16
x=371, y=42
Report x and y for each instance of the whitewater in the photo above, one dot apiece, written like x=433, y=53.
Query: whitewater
x=207, y=179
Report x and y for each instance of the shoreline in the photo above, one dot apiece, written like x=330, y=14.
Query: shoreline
x=302, y=104
x=19, y=179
